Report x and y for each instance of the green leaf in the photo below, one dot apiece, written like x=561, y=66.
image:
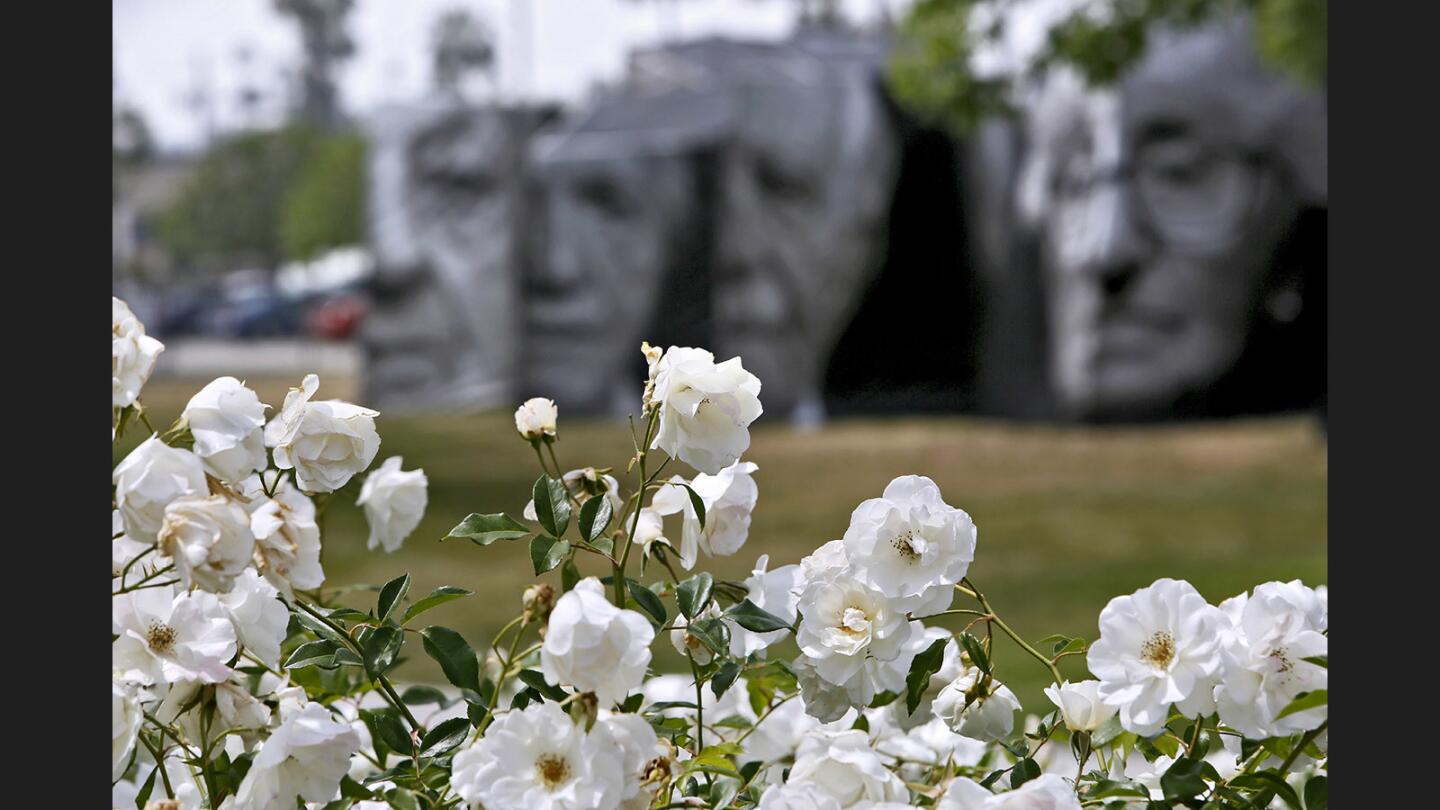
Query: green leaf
x=647, y=600
x=595, y=516
x=1182, y=781
x=418, y=695
x=1322, y=661
x=546, y=552
x=1304, y=701
x=697, y=503
x=143, y=797
x=1110, y=789
x=976, y=651
x=381, y=647
x=454, y=655
x=437, y=597
x=552, y=505
x=1107, y=732
x=723, y=792
x=536, y=680
x=1317, y=793
x=755, y=619
x=390, y=596
x=445, y=736
x=482, y=530
x=402, y=799
x=712, y=633
x=393, y=732
x=1267, y=781
x=312, y=653
x=319, y=628
x=724, y=678
x=1025, y=770
x=569, y=575
x=694, y=593
x=925, y=664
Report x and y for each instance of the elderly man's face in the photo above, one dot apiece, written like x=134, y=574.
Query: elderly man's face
x=804, y=197
x=443, y=194
x=1163, y=214
x=595, y=289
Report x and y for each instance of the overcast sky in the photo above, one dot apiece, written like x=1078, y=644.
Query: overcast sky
x=165, y=49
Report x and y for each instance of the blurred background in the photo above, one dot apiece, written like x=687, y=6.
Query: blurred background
x=1067, y=258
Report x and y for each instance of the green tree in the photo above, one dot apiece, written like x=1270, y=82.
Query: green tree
x=325, y=207
x=930, y=73
x=259, y=198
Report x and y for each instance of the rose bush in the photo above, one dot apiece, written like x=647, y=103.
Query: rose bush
x=239, y=681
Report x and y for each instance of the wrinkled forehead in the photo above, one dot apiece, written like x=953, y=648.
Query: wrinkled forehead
x=1206, y=83
x=811, y=128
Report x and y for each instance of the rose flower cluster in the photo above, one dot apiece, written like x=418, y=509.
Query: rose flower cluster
x=864, y=675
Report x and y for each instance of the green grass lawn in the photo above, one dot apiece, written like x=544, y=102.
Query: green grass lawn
x=1068, y=517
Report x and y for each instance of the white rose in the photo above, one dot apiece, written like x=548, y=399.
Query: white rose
x=539, y=759
x=729, y=498
x=844, y=621
x=930, y=744
x=125, y=719
x=705, y=408
x=325, y=442
x=910, y=544
x=635, y=739
x=235, y=708
x=394, y=502
x=306, y=756
x=594, y=646
x=797, y=796
x=1045, y=792
x=287, y=540
x=843, y=764
x=260, y=618
x=777, y=592
x=209, y=540
x=164, y=637
x=1080, y=704
x=1264, y=666
x=986, y=713
x=147, y=480
x=824, y=701
x=649, y=530
x=536, y=419
x=1158, y=646
x=132, y=354
x=228, y=423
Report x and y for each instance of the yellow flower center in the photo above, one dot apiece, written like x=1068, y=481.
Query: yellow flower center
x=553, y=770
x=160, y=638
x=1159, y=650
x=905, y=548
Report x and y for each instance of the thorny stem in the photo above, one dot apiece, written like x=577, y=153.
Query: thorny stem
x=1300, y=748
x=762, y=717
x=699, y=707
x=160, y=764
x=379, y=679
x=1005, y=628
x=619, y=575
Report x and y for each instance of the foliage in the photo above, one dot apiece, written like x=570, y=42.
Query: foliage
x=217, y=701
x=325, y=206
x=931, y=72
x=262, y=197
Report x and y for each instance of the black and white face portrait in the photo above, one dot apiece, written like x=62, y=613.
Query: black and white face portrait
x=805, y=187
x=445, y=191
x=1160, y=206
